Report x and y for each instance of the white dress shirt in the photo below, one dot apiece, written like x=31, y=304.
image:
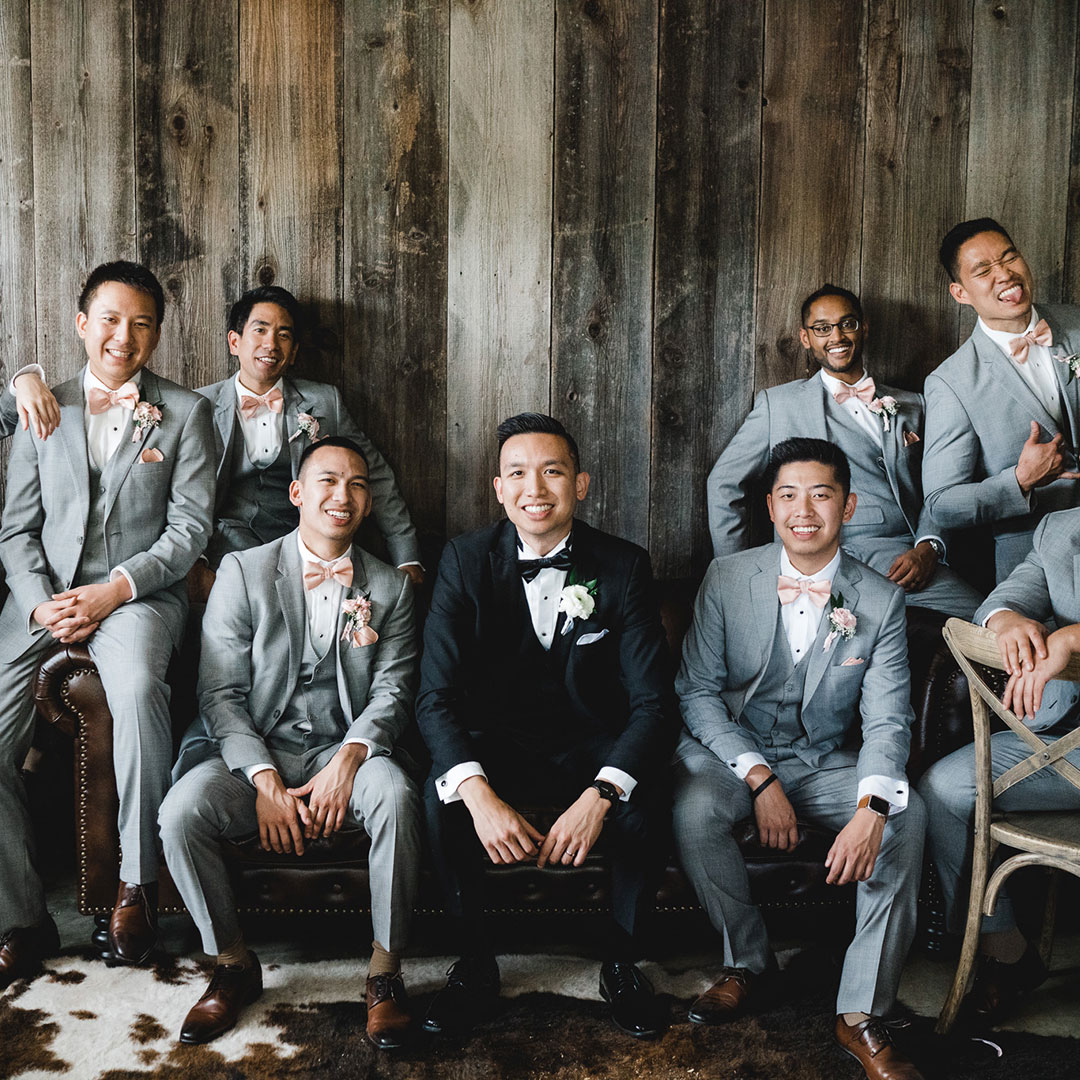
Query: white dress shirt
x=263, y=432
x=323, y=606
x=542, y=595
x=1037, y=371
x=801, y=620
x=104, y=433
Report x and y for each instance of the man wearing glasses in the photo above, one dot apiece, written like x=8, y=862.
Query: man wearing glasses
x=878, y=427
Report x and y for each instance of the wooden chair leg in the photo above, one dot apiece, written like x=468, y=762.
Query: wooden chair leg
x=1046, y=938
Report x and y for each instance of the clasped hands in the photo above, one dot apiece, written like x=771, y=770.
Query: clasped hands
x=74, y=615
x=508, y=838
x=1032, y=656
x=854, y=852
x=286, y=820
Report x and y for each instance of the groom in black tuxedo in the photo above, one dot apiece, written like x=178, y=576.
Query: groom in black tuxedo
x=545, y=679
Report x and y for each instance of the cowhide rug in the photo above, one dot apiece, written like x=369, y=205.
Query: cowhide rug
x=85, y=1021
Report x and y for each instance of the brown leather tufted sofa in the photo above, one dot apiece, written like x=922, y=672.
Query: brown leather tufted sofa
x=331, y=877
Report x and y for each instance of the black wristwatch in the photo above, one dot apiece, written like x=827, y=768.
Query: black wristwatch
x=607, y=791
x=937, y=545
x=876, y=805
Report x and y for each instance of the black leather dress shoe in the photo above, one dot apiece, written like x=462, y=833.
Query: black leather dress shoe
x=999, y=986
x=231, y=988
x=471, y=995
x=634, y=1008
x=23, y=948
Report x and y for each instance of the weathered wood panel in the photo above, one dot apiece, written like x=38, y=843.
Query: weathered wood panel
x=186, y=99
x=17, y=314
x=84, y=160
x=601, y=333
x=499, y=246
x=395, y=62
x=291, y=165
x=812, y=169
x=1071, y=285
x=706, y=228
x=1023, y=64
x=919, y=72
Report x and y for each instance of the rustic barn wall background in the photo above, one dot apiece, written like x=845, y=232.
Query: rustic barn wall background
x=605, y=209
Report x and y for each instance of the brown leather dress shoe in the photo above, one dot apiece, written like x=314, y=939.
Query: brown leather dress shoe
x=999, y=986
x=133, y=926
x=231, y=988
x=388, y=1016
x=724, y=1000
x=23, y=948
x=870, y=1043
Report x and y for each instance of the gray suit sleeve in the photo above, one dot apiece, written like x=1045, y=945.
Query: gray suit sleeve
x=703, y=676
x=955, y=494
x=728, y=488
x=393, y=678
x=1025, y=591
x=225, y=669
x=389, y=509
x=885, y=698
x=9, y=413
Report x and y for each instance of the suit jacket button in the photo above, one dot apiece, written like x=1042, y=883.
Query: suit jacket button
x=277, y=713
x=78, y=539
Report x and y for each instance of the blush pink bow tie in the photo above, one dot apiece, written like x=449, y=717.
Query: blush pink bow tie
x=250, y=405
x=789, y=589
x=1040, y=335
x=102, y=400
x=865, y=393
x=316, y=573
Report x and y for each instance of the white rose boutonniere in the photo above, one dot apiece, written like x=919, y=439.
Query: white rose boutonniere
x=842, y=622
x=577, y=599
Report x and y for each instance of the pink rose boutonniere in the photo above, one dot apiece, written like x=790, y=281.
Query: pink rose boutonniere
x=1073, y=363
x=306, y=424
x=144, y=416
x=357, y=612
x=884, y=407
x=842, y=622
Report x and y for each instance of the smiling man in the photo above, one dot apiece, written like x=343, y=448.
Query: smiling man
x=1003, y=412
x=544, y=681
x=102, y=523
x=263, y=420
x=878, y=427
x=794, y=648
x=306, y=682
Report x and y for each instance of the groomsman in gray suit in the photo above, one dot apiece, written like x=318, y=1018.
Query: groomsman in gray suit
x=263, y=420
x=1003, y=412
x=794, y=648
x=306, y=682
x=1043, y=591
x=28, y=400
x=878, y=427
x=101, y=525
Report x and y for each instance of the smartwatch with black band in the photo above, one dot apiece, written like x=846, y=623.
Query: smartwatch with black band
x=607, y=790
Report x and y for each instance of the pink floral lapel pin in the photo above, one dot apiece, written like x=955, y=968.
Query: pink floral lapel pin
x=357, y=612
x=885, y=407
x=306, y=424
x=145, y=416
x=1071, y=361
x=842, y=622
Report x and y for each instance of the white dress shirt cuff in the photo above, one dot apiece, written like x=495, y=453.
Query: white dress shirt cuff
x=993, y=613
x=894, y=792
x=447, y=785
x=745, y=762
x=130, y=581
x=619, y=779
x=37, y=369
x=251, y=770
x=411, y=562
x=372, y=749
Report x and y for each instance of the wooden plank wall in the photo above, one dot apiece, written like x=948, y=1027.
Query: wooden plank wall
x=609, y=209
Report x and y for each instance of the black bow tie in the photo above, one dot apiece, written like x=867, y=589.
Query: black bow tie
x=531, y=567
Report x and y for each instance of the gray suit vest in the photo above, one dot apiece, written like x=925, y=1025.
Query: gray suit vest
x=259, y=497
x=94, y=564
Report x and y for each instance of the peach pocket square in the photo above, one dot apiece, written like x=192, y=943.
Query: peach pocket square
x=152, y=454
x=851, y=661
x=910, y=438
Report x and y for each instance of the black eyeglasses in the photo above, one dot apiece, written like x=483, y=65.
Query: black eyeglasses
x=847, y=325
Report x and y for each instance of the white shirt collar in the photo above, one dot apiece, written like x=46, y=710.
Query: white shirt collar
x=91, y=381
x=243, y=391
x=833, y=384
x=1001, y=338
x=307, y=556
x=526, y=552
x=828, y=571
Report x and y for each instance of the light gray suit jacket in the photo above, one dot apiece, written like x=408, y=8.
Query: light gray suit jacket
x=798, y=409
x=324, y=402
x=9, y=412
x=978, y=416
x=157, y=516
x=1046, y=587
x=253, y=643
x=727, y=651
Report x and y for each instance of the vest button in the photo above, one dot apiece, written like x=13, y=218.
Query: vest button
x=277, y=713
x=78, y=540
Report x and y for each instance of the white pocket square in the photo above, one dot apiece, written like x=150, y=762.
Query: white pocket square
x=851, y=661
x=588, y=639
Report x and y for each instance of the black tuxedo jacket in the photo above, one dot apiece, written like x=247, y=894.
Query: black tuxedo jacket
x=477, y=658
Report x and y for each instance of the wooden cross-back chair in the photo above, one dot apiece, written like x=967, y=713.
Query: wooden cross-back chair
x=1048, y=838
